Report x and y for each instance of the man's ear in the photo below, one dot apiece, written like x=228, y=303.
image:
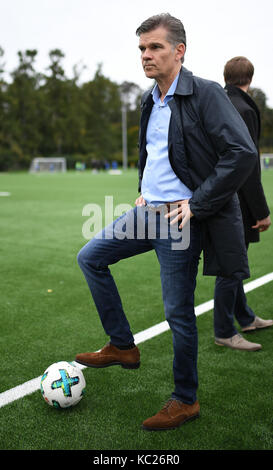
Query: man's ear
x=180, y=51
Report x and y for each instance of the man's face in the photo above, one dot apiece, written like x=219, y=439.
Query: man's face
x=160, y=59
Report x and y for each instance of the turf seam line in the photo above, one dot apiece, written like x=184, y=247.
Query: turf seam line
x=33, y=385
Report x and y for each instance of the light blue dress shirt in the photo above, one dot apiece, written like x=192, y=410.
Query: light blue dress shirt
x=159, y=183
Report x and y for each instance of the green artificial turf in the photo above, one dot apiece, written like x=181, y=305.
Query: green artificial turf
x=47, y=315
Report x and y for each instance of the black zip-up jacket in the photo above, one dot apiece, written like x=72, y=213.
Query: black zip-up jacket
x=211, y=151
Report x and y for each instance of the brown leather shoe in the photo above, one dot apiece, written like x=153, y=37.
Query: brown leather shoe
x=172, y=415
x=109, y=355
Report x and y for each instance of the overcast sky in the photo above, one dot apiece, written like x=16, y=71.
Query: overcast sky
x=103, y=31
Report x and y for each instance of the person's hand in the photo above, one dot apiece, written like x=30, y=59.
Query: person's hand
x=181, y=212
x=263, y=224
x=140, y=201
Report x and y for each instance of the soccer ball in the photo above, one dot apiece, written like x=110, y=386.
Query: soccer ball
x=62, y=384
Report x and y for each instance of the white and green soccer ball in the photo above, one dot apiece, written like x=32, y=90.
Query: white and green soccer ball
x=63, y=384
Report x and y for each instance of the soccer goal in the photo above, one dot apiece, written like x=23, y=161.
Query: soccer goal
x=50, y=164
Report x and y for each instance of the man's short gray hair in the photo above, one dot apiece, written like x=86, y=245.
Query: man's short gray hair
x=176, y=32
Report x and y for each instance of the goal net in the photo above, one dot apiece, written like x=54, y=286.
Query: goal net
x=50, y=164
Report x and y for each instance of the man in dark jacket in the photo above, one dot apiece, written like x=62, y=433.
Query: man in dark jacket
x=193, y=146
x=229, y=299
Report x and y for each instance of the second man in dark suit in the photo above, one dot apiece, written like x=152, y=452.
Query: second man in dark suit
x=230, y=300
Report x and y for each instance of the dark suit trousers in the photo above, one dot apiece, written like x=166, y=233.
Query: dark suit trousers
x=230, y=302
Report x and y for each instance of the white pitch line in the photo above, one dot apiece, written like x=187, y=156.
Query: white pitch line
x=33, y=385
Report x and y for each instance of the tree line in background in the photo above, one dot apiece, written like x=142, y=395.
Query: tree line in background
x=52, y=115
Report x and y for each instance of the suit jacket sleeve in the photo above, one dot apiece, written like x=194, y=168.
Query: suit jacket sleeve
x=236, y=152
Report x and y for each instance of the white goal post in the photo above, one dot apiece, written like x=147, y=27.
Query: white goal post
x=50, y=164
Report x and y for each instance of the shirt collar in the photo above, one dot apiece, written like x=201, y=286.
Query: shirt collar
x=170, y=92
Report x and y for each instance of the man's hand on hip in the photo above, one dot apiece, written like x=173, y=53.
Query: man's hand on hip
x=140, y=201
x=181, y=212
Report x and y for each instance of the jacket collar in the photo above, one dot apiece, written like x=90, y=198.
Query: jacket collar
x=184, y=86
x=185, y=83
x=236, y=91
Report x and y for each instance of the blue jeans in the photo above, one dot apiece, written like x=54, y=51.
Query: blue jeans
x=178, y=271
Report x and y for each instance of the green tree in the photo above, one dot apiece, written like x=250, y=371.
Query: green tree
x=2, y=101
x=23, y=136
x=102, y=110
x=54, y=105
x=266, y=140
x=62, y=110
